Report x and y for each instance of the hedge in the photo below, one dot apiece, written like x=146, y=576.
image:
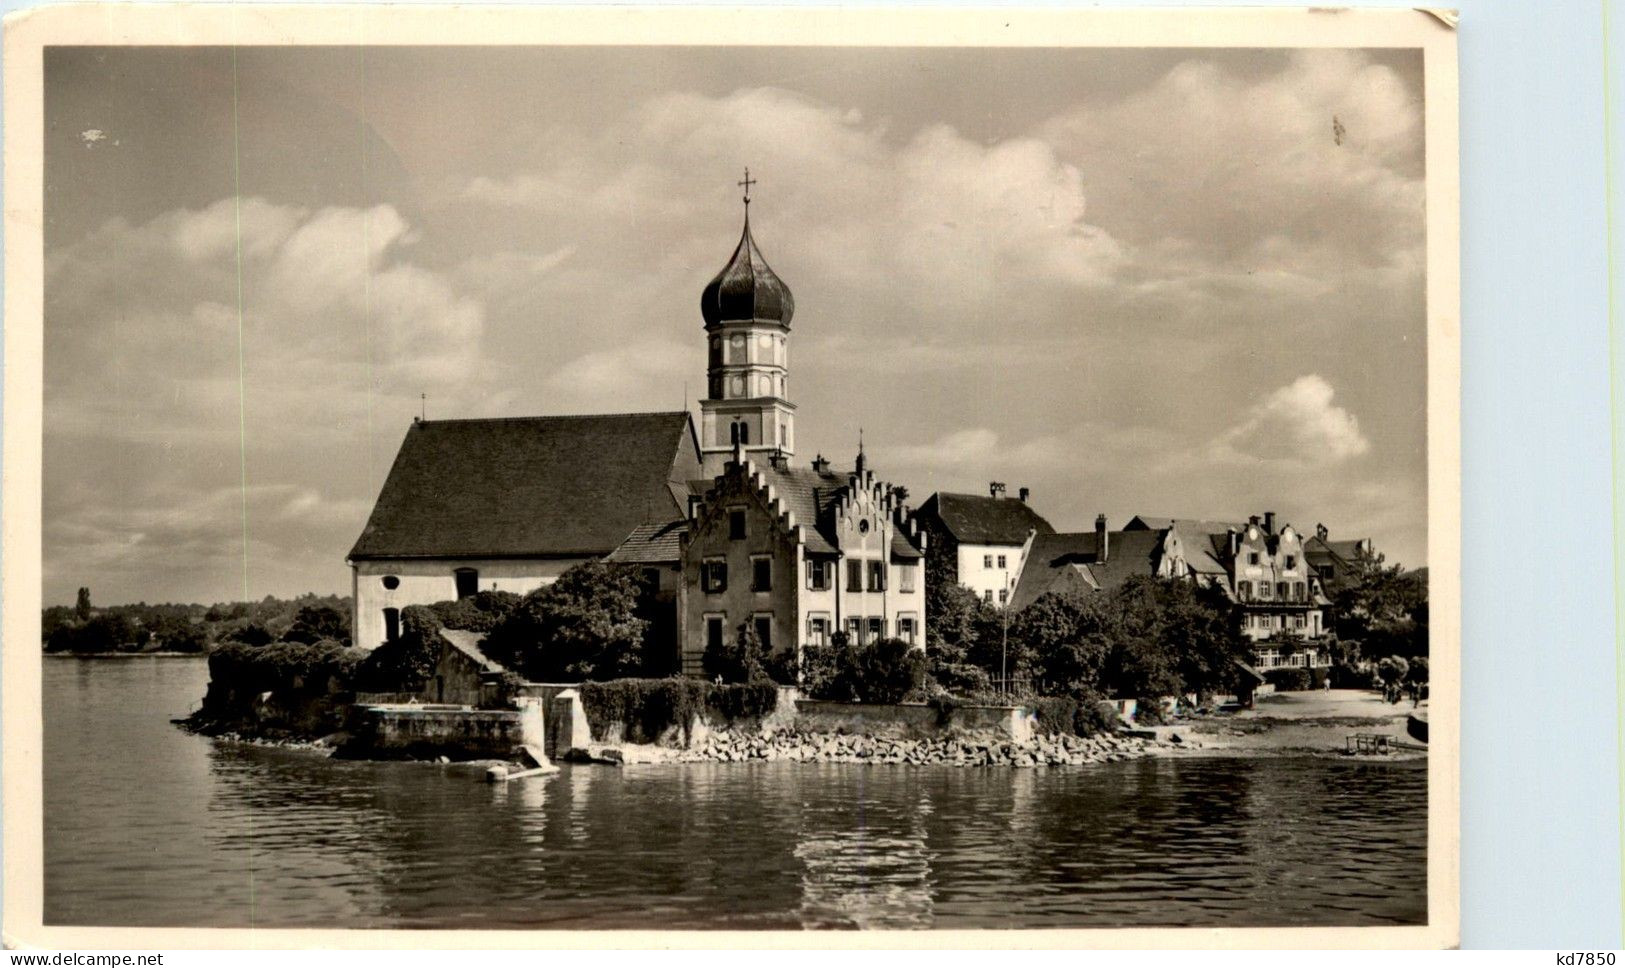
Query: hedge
x=646, y=708
x=1087, y=716
x=282, y=664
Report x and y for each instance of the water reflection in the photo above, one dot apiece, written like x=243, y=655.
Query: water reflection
x=149, y=826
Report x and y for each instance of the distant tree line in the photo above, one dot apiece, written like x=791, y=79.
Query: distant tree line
x=173, y=627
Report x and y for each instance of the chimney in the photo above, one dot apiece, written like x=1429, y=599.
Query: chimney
x=1024, y=493
x=1235, y=543
x=1102, y=539
x=995, y=489
x=1253, y=520
x=1269, y=522
x=820, y=465
x=1321, y=532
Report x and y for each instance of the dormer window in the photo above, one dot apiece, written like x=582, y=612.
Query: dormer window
x=1291, y=562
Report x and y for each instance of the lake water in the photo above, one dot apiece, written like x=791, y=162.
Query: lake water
x=147, y=825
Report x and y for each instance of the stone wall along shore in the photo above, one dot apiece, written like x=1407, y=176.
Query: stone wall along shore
x=730, y=746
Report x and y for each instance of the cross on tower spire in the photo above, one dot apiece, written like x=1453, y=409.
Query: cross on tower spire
x=749, y=181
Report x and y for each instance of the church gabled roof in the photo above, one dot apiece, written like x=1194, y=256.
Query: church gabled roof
x=522, y=487
x=746, y=288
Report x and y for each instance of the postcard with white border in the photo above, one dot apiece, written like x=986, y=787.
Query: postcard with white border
x=682, y=477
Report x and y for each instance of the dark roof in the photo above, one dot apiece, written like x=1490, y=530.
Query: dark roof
x=652, y=544
x=973, y=519
x=808, y=494
x=529, y=486
x=1142, y=522
x=1069, y=562
x=746, y=288
x=468, y=643
x=1319, y=549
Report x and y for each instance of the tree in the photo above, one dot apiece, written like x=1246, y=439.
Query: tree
x=313, y=623
x=583, y=626
x=81, y=606
x=1064, y=640
x=250, y=633
x=1190, y=629
x=740, y=659
x=1392, y=671
x=1382, y=606
x=406, y=663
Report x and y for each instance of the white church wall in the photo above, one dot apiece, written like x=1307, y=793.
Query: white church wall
x=426, y=581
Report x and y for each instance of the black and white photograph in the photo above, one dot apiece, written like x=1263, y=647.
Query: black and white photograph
x=897, y=480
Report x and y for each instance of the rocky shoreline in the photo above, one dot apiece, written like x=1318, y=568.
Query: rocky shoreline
x=728, y=746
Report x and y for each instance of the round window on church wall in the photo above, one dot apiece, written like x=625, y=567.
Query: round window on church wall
x=391, y=582
x=863, y=526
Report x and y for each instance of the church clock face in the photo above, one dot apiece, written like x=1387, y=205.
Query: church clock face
x=863, y=526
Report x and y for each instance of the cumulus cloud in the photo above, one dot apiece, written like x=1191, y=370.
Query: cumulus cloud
x=161, y=386
x=1297, y=423
x=641, y=376
x=933, y=223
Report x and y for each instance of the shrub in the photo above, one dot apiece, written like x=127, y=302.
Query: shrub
x=1085, y=714
x=1288, y=679
x=743, y=700
x=830, y=671
x=740, y=659
x=783, y=667
x=889, y=670
x=962, y=679
x=1096, y=714
x=1055, y=714
x=1149, y=711
x=1318, y=678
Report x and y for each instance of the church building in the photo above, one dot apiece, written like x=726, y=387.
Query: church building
x=726, y=532
x=509, y=504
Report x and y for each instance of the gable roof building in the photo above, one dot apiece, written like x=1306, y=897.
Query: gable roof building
x=524, y=487
x=981, y=541
x=511, y=503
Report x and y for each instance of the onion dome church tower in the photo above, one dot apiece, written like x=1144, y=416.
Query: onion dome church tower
x=747, y=312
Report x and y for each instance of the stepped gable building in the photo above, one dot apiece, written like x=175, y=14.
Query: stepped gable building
x=795, y=553
x=981, y=542
x=798, y=553
x=511, y=503
x=1265, y=571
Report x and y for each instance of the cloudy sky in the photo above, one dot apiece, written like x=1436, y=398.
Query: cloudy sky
x=1136, y=281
